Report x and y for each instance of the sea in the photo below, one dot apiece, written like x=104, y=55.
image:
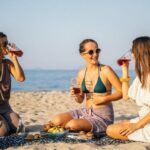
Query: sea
x=50, y=80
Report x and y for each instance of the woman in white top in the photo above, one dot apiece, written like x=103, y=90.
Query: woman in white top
x=136, y=129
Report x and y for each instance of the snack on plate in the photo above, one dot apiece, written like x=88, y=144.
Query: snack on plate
x=82, y=132
x=89, y=134
x=55, y=130
x=51, y=123
x=48, y=126
x=31, y=137
x=51, y=128
x=86, y=134
x=37, y=136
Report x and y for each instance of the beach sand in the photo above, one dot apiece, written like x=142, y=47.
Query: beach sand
x=37, y=108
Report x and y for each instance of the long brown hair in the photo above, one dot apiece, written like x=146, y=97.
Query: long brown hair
x=141, y=51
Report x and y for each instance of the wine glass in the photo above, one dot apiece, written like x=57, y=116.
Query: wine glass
x=75, y=86
x=14, y=49
x=125, y=58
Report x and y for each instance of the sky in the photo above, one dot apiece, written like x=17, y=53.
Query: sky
x=49, y=31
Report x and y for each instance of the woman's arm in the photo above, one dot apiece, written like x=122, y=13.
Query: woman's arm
x=15, y=68
x=125, y=81
x=114, y=80
x=145, y=120
x=131, y=127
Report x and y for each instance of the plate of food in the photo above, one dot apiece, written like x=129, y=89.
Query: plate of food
x=50, y=130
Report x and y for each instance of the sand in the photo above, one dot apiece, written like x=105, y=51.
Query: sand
x=37, y=108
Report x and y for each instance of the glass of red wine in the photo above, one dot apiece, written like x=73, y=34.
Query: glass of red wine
x=75, y=86
x=14, y=49
x=125, y=58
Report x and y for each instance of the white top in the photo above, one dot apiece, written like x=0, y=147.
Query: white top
x=141, y=95
x=142, y=98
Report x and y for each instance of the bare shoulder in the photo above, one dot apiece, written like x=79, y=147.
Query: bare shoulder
x=80, y=75
x=106, y=69
x=109, y=73
x=81, y=72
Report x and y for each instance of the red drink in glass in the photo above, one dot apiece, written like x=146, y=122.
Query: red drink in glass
x=18, y=53
x=125, y=58
x=12, y=48
x=76, y=90
x=122, y=60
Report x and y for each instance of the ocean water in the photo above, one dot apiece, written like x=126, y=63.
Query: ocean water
x=50, y=80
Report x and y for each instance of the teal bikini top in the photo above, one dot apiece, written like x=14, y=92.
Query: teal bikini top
x=99, y=87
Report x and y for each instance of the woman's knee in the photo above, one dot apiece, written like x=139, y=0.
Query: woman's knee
x=115, y=128
x=62, y=119
x=114, y=131
x=110, y=130
x=57, y=120
x=78, y=125
x=14, y=118
x=3, y=127
x=71, y=125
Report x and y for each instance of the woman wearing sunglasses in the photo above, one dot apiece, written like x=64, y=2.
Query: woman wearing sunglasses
x=96, y=81
x=9, y=120
x=136, y=129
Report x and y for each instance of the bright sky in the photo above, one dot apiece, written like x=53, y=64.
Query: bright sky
x=49, y=31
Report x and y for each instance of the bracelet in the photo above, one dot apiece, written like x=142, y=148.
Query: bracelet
x=125, y=79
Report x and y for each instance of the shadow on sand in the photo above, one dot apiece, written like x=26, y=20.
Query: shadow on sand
x=34, y=128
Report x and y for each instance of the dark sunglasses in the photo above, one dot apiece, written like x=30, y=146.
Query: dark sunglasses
x=91, y=52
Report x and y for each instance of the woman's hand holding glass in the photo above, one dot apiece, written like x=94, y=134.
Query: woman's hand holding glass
x=125, y=58
x=12, y=50
x=75, y=90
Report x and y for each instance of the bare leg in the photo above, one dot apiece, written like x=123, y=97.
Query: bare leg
x=79, y=125
x=62, y=119
x=3, y=127
x=114, y=130
x=14, y=119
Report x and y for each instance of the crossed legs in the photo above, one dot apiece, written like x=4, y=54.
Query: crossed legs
x=114, y=130
x=67, y=121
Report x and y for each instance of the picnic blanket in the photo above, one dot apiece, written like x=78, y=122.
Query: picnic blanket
x=20, y=140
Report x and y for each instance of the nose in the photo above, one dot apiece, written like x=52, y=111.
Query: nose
x=95, y=55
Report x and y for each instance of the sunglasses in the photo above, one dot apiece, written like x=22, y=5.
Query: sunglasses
x=91, y=52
